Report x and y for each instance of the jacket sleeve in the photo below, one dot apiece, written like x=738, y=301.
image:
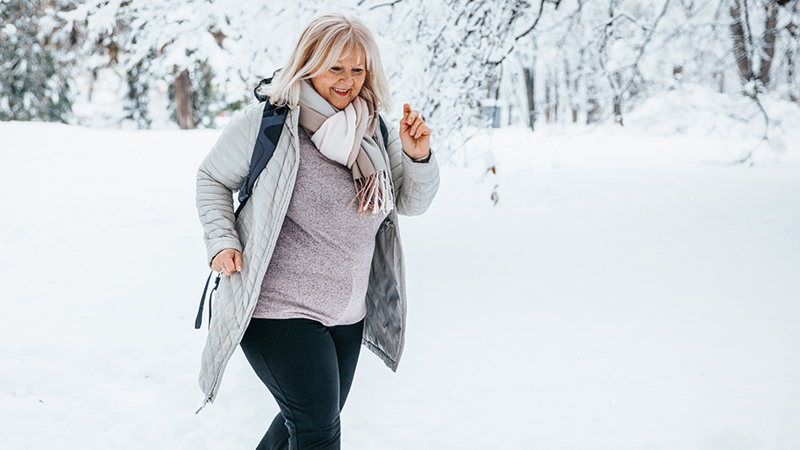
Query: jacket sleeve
x=415, y=183
x=221, y=174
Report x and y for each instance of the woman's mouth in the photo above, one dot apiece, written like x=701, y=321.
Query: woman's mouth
x=341, y=92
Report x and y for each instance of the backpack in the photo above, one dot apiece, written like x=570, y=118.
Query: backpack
x=269, y=133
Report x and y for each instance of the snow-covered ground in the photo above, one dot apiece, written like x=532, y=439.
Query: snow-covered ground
x=630, y=290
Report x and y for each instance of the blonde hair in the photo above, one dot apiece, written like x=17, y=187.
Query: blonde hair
x=324, y=41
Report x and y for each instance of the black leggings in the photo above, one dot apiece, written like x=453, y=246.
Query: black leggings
x=309, y=368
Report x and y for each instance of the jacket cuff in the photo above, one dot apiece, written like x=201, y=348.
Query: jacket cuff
x=420, y=172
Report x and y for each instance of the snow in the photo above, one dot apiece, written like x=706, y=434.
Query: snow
x=9, y=29
x=630, y=290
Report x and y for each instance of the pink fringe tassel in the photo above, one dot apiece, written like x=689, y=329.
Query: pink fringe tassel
x=374, y=194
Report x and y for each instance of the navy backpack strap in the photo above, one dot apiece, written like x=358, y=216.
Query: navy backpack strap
x=384, y=132
x=198, y=321
x=269, y=133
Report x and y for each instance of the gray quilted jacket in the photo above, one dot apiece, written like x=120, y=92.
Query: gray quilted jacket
x=255, y=232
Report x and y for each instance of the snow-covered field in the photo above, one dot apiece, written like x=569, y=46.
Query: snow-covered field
x=629, y=291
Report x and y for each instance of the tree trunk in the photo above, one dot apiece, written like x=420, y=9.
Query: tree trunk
x=790, y=67
x=547, y=105
x=556, y=91
x=593, y=109
x=791, y=51
x=571, y=88
x=739, y=46
x=617, y=78
x=792, y=28
x=769, y=42
x=529, y=92
x=184, y=101
x=720, y=77
x=91, y=85
x=618, y=109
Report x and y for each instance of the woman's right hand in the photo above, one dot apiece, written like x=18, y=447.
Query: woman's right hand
x=227, y=261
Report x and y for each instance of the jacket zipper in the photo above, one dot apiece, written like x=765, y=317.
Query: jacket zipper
x=284, y=208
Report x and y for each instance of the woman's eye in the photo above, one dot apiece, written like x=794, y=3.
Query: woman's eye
x=358, y=70
x=335, y=69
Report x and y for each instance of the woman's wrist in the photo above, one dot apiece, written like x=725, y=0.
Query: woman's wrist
x=424, y=159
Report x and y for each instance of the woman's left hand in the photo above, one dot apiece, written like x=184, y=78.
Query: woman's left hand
x=414, y=134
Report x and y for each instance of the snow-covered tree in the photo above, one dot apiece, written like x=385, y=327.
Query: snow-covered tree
x=137, y=98
x=34, y=62
x=579, y=60
x=450, y=55
x=221, y=47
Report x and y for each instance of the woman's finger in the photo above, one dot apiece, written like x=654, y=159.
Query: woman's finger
x=403, y=122
x=423, y=130
x=412, y=117
x=229, y=266
x=415, y=129
x=420, y=129
x=237, y=260
x=215, y=263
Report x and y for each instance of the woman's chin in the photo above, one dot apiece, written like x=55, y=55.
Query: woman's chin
x=340, y=103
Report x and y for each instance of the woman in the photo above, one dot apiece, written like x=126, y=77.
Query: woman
x=313, y=264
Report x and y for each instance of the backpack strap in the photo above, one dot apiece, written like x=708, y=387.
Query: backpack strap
x=269, y=133
x=199, y=319
x=384, y=132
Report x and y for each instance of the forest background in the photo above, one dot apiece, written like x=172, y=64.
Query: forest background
x=466, y=65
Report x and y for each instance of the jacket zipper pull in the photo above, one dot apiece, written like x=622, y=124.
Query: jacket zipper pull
x=205, y=402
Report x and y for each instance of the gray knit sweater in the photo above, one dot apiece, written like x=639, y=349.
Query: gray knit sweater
x=320, y=267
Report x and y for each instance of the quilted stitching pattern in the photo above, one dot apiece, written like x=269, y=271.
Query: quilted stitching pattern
x=256, y=231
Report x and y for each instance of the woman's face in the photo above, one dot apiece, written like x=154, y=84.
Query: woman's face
x=340, y=84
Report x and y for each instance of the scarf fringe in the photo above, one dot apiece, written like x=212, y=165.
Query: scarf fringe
x=374, y=194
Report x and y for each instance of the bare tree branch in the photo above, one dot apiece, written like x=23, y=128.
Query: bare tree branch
x=535, y=22
x=382, y=5
x=642, y=49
